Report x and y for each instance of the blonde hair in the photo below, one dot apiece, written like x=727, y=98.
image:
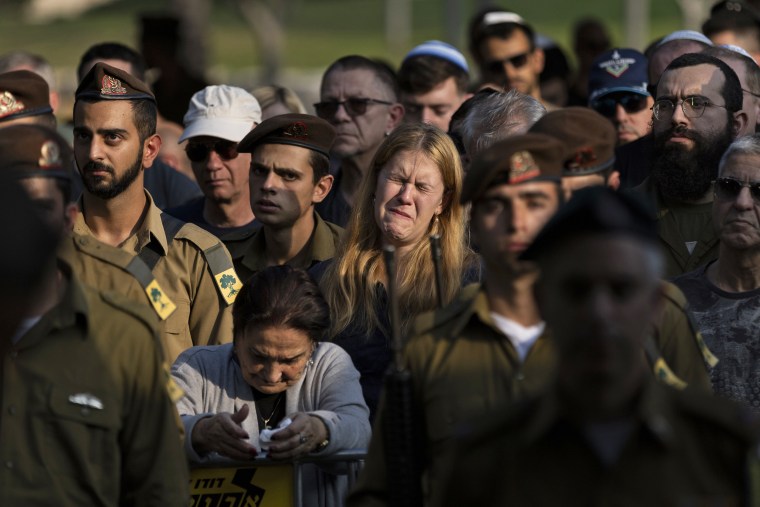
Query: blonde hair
x=273, y=94
x=349, y=284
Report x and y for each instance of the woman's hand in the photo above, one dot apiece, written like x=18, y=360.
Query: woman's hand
x=301, y=437
x=223, y=434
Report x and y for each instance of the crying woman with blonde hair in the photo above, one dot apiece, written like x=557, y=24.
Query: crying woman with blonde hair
x=411, y=191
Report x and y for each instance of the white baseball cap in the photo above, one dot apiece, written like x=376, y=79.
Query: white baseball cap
x=222, y=111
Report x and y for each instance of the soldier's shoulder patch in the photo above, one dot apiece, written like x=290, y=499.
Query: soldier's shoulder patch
x=664, y=374
x=174, y=391
x=229, y=284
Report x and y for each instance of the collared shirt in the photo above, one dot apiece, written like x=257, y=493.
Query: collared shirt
x=680, y=448
x=670, y=221
x=86, y=417
x=202, y=315
x=320, y=247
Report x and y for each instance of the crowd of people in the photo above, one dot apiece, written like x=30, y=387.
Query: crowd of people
x=566, y=272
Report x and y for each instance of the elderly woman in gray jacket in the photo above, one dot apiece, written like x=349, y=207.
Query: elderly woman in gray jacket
x=275, y=368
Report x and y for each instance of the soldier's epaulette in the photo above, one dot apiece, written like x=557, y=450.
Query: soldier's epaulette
x=674, y=294
x=429, y=321
x=218, y=258
x=112, y=255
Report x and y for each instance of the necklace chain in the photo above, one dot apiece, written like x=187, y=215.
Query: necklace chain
x=271, y=414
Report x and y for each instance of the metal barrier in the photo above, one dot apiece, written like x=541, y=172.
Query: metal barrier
x=230, y=482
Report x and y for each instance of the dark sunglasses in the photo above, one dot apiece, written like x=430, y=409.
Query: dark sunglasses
x=197, y=152
x=354, y=106
x=631, y=103
x=517, y=61
x=728, y=189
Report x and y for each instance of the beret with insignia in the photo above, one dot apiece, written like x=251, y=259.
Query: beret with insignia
x=589, y=137
x=302, y=130
x=34, y=150
x=23, y=93
x=515, y=160
x=595, y=210
x=104, y=82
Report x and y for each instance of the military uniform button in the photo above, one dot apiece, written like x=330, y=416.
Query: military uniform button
x=82, y=241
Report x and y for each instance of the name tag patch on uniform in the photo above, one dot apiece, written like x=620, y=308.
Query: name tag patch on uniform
x=230, y=285
x=86, y=400
x=160, y=301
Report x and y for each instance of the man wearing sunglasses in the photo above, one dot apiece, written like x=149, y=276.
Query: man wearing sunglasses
x=618, y=91
x=696, y=115
x=217, y=119
x=359, y=98
x=503, y=47
x=724, y=294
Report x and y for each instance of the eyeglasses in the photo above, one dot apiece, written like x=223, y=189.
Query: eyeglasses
x=692, y=107
x=728, y=189
x=354, y=106
x=197, y=152
x=630, y=102
x=517, y=61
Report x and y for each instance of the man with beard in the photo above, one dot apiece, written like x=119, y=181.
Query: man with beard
x=114, y=142
x=696, y=114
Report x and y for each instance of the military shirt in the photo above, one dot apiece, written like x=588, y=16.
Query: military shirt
x=671, y=220
x=320, y=247
x=678, y=448
x=201, y=297
x=86, y=418
x=463, y=368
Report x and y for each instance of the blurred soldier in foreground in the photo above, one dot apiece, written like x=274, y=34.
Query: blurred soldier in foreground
x=606, y=431
x=87, y=418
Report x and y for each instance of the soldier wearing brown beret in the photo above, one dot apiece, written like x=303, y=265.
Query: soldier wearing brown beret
x=24, y=98
x=488, y=348
x=114, y=143
x=289, y=164
x=85, y=358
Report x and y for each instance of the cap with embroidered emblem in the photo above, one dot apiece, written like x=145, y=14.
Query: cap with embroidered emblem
x=35, y=150
x=618, y=70
x=516, y=160
x=23, y=93
x=104, y=82
x=589, y=138
x=302, y=130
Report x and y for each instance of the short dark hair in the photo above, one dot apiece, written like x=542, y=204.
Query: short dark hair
x=382, y=71
x=420, y=74
x=144, y=115
x=320, y=165
x=732, y=88
x=480, y=32
x=113, y=51
x=281, y=296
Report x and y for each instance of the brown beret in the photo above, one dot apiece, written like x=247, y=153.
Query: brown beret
x=34, y=150
x=518, y=159
x=589, y=137
x=302, y=130
x=104, y=82
x=23, y=93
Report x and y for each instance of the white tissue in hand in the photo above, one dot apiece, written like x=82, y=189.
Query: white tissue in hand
x=266, y=436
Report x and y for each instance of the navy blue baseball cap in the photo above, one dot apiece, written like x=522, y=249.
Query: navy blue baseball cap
x=618, y=70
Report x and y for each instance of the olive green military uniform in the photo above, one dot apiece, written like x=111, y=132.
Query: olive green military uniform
x=679, y=448
x=671, y=221
x=320, y=247
x=86, y=417
x=463, y=368
x=192, y=296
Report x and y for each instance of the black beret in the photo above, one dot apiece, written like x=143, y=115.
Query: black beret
x=589, y=138
x=104, y=82
x=595, y=210
x=519, y=159
x=34, y=150
x=23, y=93
x=302, y=130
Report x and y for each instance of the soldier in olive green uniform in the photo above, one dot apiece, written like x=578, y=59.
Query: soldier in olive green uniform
x=289, y=164
x=87, y=418
x=606, y=433
x=186, y=274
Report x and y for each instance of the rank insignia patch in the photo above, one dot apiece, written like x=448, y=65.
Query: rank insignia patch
x=159, y=300
x=230, y=285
